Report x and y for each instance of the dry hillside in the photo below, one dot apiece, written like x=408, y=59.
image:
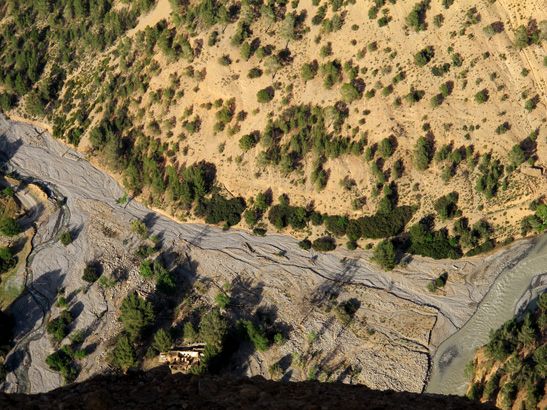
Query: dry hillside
x=149, y=94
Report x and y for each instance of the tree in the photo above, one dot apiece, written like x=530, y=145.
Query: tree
x=444, y=90
x=262, y=202
x=136, y=315
x=516, y=155
x=91, y=273
x=222, y=300
x=5, y=253
x=384, y=255
x=421, y=154
x=489, y=30
x=213, y=329
x=385, y=149
x=287, y=28
x=255, y=334
x=245, y=51
x=163, y=341
x=263, y=96
x=323, y=245
x=521, y=37
x=307, y=72
x=273, y=65
x=66, y=238
x=530, y=105
x=139, y=227
x=268, y=14
x=125, y=354
x=424, y=56
x=349, y=93
x=10, y=226
x=190, y=333
x=481, y=97
x=248, y=141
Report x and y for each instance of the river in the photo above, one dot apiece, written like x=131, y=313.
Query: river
x=498, y=306
x=37, y=155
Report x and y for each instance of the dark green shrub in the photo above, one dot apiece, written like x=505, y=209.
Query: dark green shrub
x=324, y=244
x=91, y=273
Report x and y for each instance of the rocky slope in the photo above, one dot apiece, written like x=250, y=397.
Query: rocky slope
x=156, y=389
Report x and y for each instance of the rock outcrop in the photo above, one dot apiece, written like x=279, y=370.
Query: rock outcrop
x=158, y=389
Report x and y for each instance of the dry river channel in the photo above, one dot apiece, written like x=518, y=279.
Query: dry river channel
x=33, y=155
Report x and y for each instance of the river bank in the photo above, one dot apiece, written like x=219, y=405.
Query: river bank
x=404, y=321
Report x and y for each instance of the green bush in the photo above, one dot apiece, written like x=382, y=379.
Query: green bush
x=255, y=334
x=9, y=226
x=423, y=57
x=222, y=300
x=219, y=209
x=263, y=96
x=305, y=244
x=248, y=141
x=66, y=238
x=384, y=255
x=324, y=244
x=91, y=273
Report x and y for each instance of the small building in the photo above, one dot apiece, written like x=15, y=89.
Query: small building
x=184, y=358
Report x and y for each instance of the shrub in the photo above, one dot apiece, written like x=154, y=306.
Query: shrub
x=305, y=244
x=384, y=255
x=9, y=226
x=323, y=245
x=263, y=96
x=66, y=238
x=423, y=57
x=481, y=97
x=222, y=300
x=91, y=273
x=255, y=334
x=248, y=141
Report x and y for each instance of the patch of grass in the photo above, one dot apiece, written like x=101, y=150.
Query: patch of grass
x=9, y=293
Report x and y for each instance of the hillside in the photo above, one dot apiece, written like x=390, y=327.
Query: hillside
x=316, y=107
x=157, y=389
x=510, y=370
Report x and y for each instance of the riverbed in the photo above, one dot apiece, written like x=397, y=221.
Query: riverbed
x=388, y=296
x=499, y=305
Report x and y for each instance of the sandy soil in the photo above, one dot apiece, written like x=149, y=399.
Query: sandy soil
x=499, y=74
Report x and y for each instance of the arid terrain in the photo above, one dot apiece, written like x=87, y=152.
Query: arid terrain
x=386, y=344
x=305, y=187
